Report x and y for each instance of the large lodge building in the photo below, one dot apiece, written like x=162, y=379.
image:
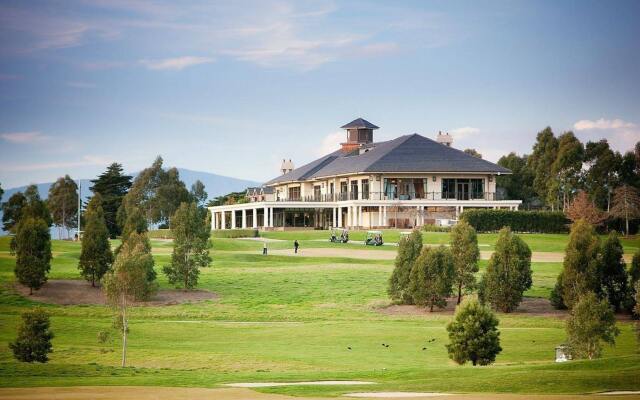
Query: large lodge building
x=405, y=182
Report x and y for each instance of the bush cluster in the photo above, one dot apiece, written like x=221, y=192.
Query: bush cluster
x=518, y=221
x=235, y=233
x=435, y=228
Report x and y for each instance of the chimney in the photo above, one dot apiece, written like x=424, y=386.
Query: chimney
x=286, y=166
x=445, y=139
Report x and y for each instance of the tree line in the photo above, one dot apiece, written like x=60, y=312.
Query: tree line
x=121, y=208
x=559, y=167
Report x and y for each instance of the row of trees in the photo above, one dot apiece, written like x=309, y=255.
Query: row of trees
x=559, y=167
x=427, y=276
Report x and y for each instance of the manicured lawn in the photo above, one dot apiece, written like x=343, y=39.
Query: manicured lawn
x=293, y=318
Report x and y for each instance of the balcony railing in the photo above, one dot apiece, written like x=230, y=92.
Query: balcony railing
x=464, y=196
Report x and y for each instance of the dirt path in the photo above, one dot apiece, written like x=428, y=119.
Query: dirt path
x=73, y=292
x=170, y=393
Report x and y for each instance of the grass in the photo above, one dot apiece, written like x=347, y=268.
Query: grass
x=292, y=318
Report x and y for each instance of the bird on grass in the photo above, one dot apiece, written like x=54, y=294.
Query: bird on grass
x=424, y=348
x=348, y=347
x=385, y=345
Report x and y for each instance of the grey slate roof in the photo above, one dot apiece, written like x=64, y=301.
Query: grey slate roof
x=359, y=123
x=409, y=153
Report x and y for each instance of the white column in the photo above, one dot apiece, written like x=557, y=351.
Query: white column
x=333, y=217
x=339, y=216
x=213, y=220
x=360, y=221
x=233, y=219
x=349, y=217
x=379, y=215
x=244, y=219
x=255, y=218
x=224, y=220
x=271, y=217
x=265, y=219
x=384, y=215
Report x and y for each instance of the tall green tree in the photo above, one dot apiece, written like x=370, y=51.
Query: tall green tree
x=590, y=322
x=545, y=151
x=473, y=334
x=626, y=204
x=63, y=203
x=35, y=207
x=566, y=170
x=33, y=252
x=112, y=185
x=137, y=225
x=190, y=246
x=96, y=256
x=409, y=250
x=198, y=193
x=473, y=152
x=518, y=184
x=157, y=193
x=33, y=343
x=601, y=176
x=127, y=281
x=612, y=271
x=634, y=268
x=1, y=192
x=431, y=277
x=580, y=265
x=508, y=273
x=12, y=211
x=466, y=253
x=629, y=173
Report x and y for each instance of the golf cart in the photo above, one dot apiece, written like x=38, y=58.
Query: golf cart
x=374, y=238
x=339, y=235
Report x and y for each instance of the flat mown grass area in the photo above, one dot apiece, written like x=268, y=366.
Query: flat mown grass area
x=282, y=318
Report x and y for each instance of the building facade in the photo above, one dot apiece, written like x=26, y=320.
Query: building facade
x=405, y=182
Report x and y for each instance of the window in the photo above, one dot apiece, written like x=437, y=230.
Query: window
x=354, y=190
x=448, y=188
x=343, y=190
x=462, y=189
x=316, y=193
x=365, y=189
x=294, y=193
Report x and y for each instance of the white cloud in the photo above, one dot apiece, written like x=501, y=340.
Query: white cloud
x=621, y=135
x=331, y=143
x=585, y=124
x=84, y=161
x=177, y=63
x=23, y=137
x=464, y=132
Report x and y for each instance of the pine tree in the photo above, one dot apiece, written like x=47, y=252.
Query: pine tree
x=590, y=323
x=544, y=154
x=198, y=193
x=33, y=252
x=190, y=246
x=473, y=334
x=409, y=249
x=508, y=273
x=34, y=337
x=63, y=203
x=580, y=266
x=634, y=268
x=12, y=211
x=96, y=256
x=112, y=185
x=465, y=251
x=431, y=277
x=612, y=271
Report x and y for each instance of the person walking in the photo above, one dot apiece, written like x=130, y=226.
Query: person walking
x=295, y=246
x=264, y=248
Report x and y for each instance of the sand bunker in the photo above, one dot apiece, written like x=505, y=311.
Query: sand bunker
x=309, y=383
x=396, y=395
x=75, y=292
x=619, y=393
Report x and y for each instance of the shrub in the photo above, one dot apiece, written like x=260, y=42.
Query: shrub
x=473, y=334
x=464, y=247
x=408, y=251
x=435, y=228
x=235, y=233
x=519, y=221
x=431, y=277
x=591, y=322
x=34, y=337
x=613, y=273
x=580, y=265
x=508, y=273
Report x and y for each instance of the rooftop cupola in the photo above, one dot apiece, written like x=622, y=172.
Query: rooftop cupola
x=359, y=132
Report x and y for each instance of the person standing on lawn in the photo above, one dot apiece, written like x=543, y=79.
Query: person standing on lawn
x=295, y=246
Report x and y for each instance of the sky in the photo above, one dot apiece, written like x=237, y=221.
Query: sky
x=232, y=88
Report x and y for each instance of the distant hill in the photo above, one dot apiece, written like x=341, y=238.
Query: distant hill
x=215, y=185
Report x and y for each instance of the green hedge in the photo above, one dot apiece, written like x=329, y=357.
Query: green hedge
x=435, y=228
x=160, y=234
x=518, y=221
x=235, y=233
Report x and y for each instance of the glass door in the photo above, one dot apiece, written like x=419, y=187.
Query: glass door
x=463, y=190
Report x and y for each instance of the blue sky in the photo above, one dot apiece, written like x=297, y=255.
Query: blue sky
x=234, y=87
